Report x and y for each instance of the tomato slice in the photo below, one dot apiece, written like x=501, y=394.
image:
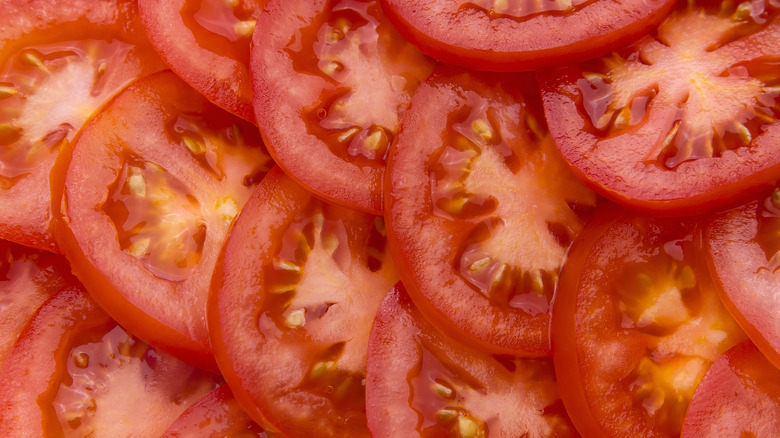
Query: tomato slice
x=331, y=80
x=60, y=61
x=206, y=42
x=421, y=383
x=150, y=191
x=739, y=396
x=28, y=277
x=216, y=415
x=74, y=373
x=637, y=322
x=743, y=248
x=291, y=313
x=481, y=209
x=515, y=35
x=685, y=120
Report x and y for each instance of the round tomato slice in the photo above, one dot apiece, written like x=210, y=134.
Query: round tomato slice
x=217, y=415
x=481, y=209
x=75, y=373
x=331, y=79
x=637, y=322
x=744, y=253
x=291, y=313
x=206, y=42
x=150, y=190
x=683, y=121
x=422, y=383
x=28, y=277
x=739, y=396
x=518, y=35
x=60, y=61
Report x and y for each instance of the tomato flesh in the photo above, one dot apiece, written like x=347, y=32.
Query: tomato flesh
x=145, y=227
x=422, y=383
x=74, y=372
x=482, y=209
x=637, y=322
x=216, y=415
x=683, y=121
x=291, y=312
x=331, y=81
x=59, y=64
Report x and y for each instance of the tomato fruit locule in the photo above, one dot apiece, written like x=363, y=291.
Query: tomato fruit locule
x=481, y=209
x=206, y=42
x=743, y=249
x=74, y=373
x=739, y=396
x=60, y=62
x=518, y=35
x=290, y=313
x=150, y=190
x=422, y=383
x=685, y=120
x=636, y=324
x=331, y=79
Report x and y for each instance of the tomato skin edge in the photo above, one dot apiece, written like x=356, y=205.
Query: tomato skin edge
x=149, y=329
x=564, y=344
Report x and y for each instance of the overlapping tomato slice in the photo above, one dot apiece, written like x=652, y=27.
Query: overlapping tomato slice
x=150, y=190
x=683, y=121
x=637, y=322
x=206, y=42
x=422, y=383
x=60, y=62
x=74, y=373
x=331, y=81
x=481, y=209
x=216, y=415
x=290, y=314
x=519, y=35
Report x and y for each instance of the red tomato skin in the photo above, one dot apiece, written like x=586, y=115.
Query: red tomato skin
x=218, y=72
x=745, y=285
x=25, y=216
x=739, y=396
x=501, y=44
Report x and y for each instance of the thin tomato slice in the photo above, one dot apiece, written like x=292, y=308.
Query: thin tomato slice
x=74, y=373
x=206, y=42
x=637, y=322
x=331, y=80
x=739, y=396
x=217, y=415
x=518, y=35
x=422, y=383
x=683, y=121
x=744, y=253
x=60, y=62
x=290, y=314
x=150, y=191
x=28, y=277
x=481, y=209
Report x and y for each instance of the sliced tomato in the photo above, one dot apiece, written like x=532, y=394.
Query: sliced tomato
x=744, y=253
x=637, y=322
x=206, y=42
x=74, y=373
x=519, y=35
x=739, y=396
x=290, y=314
x=60, y=62
x=683, y=121
x=331, y=79
x=481, y=209
x=28, y=277
x=217, y=415
x=150, y=191
x=422, y=383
